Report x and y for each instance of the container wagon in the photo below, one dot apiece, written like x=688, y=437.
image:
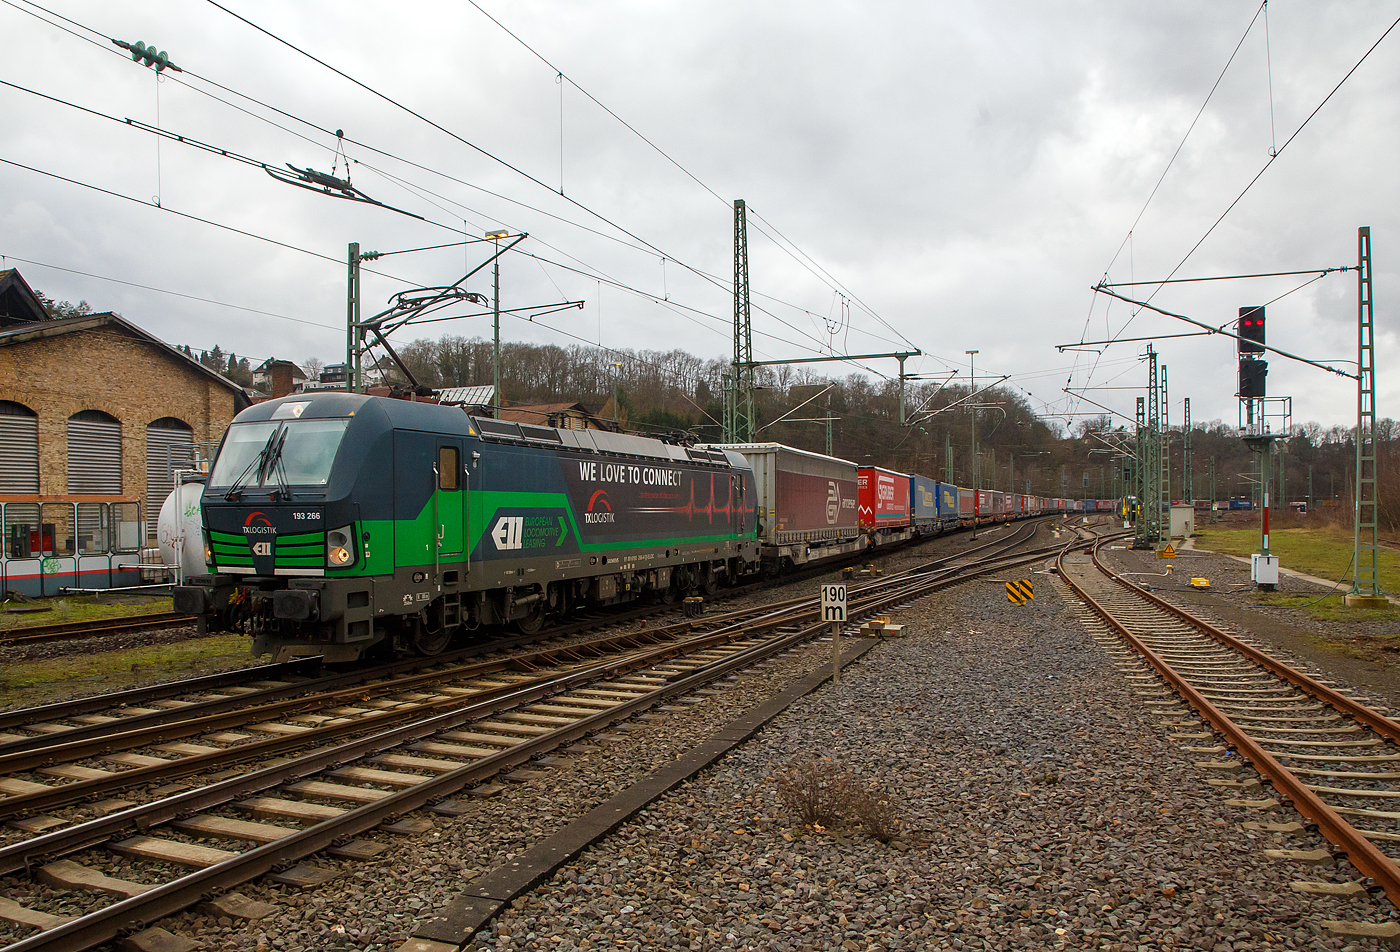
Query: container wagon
x=967, y=507
x=884, y=505
x=923, y=504
x=807, y=503
x=947, y=497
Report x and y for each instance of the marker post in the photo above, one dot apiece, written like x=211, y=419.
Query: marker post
x=834, y=611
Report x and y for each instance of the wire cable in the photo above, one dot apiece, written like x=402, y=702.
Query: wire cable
x=1182, y=144
x=1267, y=165
x=179, y=294
x=650, y=248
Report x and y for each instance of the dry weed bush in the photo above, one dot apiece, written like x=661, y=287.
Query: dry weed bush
x=820, y=793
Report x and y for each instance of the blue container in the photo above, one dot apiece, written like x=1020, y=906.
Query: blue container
x=923, y=502
x=947, y=497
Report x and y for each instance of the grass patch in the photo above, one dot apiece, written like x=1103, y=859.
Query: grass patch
x=1324, y=551
x=1331, y=608
x=27, y=682
x=66, y=609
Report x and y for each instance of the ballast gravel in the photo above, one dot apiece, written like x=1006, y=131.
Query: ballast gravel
x=1042, y=805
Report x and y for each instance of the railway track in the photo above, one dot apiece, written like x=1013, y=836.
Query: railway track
x=286, y=782
x=1323, y=752
x=274, y=688
x=32, y=634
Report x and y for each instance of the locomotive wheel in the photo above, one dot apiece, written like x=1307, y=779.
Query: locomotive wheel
x=531, y=623
x=429, y=644
x=709, y=582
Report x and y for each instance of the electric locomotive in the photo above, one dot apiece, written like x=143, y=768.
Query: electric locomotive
x=335, y=523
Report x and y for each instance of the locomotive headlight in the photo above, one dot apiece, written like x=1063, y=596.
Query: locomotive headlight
x=340, y=550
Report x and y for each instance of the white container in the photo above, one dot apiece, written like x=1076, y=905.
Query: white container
x=180, y=528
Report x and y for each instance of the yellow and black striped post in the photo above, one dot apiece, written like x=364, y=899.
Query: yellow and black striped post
x=1018, y=593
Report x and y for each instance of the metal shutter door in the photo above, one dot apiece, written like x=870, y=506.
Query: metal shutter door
x=166, y=451
x=94, y=456
x=19, y=454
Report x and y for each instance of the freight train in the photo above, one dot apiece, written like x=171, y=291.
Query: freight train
x=339, y=523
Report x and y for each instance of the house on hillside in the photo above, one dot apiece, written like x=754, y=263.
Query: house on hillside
x=278, y=377
x=564, y=416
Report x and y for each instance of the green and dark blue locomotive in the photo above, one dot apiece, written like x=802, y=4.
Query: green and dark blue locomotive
x=335, y=523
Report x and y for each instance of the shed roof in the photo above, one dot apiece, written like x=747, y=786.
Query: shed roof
x=24, y=333
x=18, y=302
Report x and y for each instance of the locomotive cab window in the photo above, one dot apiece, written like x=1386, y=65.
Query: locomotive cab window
x=256, y=454
x=449, y=468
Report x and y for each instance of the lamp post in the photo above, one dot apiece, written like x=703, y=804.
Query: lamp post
x=496, y=323
x=976, y=460
x=616, y=364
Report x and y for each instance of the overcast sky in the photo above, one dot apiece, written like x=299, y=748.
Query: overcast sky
x=958, y=176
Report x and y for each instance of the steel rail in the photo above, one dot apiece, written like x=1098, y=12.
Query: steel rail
x=1359, y=851
x=1372, y=718
x=490, y=701
x=17, y=717
x=176, y=895
x=106, y=626
x=40, y=800
x=179, y=894
x=164, y=726
x=137, y=696
x=672, y=638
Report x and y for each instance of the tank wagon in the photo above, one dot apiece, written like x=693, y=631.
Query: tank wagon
x=336, y=522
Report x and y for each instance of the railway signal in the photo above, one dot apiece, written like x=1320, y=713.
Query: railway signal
x=1251, y=330
x=1253, y=374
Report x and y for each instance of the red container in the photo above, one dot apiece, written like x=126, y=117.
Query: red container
x=884, y=498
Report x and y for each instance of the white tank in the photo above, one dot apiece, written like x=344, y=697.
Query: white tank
x=180, y=529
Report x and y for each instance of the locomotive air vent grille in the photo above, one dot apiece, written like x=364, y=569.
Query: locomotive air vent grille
x=498, y=428
x=542, y=434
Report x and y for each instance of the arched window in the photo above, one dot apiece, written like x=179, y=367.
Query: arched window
x=19, y=448
x=94, y=453
x=169, y=446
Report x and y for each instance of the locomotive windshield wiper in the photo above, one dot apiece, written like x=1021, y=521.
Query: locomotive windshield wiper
x=258, y=465
x=275, y=467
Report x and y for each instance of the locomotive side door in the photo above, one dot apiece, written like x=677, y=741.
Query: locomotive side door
x=451, y=501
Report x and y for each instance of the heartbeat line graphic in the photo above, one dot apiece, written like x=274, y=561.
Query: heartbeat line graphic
x=711, y=509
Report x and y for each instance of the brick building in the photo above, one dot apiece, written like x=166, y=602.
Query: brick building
x=94, y=412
